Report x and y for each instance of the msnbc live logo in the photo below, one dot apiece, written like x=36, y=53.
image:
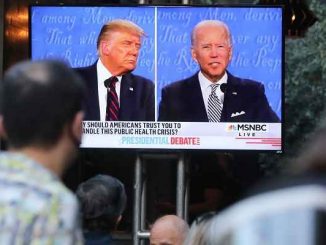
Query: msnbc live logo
x=247, y=129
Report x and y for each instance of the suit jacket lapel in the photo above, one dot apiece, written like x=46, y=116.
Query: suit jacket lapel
x=127, y=97
x=195, y=99
x=231, y=101
x=92, y=97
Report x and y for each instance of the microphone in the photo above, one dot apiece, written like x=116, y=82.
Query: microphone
x=223, y=87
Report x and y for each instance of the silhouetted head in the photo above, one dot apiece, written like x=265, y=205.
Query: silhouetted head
x=103, y=200
x=39, y=102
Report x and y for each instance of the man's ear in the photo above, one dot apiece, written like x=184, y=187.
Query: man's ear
x=105, y=47
x=230, y=53
x=2, y=129
x=77, y=125
x=193, y=54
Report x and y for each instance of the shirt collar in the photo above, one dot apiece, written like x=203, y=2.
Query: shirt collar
x=205, y=83
x=22, y=162
x=104, y=73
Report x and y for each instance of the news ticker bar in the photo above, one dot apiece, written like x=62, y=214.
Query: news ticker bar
x=182, y=135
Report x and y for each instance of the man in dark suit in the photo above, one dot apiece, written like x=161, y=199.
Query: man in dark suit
x=232, y=99
x=118, y=47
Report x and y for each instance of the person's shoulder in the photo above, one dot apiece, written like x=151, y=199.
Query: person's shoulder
x=61, y=196
x=244, y=83
x=45, y=193
x=139, y=79
x=181, y=83
x=60, y=190
x=85, y=69
x=55, y=191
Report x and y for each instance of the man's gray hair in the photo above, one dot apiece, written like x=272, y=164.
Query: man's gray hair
x=216, y=23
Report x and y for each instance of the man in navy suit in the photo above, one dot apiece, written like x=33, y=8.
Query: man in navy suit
x=240, y=100
x=118, y=46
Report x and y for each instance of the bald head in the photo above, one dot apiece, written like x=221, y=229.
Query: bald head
x=169, y=230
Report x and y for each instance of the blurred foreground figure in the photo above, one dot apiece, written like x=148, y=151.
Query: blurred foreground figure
x=286, y=210
x=293, y=215
x=103, y=200
x=168, y=230
x=41, y=120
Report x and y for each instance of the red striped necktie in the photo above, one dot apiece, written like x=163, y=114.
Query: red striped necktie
x=112, y=105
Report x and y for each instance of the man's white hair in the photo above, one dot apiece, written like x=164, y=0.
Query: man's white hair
x=215, y=23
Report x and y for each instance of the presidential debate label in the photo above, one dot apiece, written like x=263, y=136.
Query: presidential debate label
x=182, y=135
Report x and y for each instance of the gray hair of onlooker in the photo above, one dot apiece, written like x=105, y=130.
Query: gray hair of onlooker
x=103, y=200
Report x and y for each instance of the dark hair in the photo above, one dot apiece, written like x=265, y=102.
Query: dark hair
x=103, y=199
x=37, y=100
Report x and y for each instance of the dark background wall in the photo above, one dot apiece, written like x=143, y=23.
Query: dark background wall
x=1, y=36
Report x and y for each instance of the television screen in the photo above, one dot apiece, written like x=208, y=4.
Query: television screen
x=251, y=114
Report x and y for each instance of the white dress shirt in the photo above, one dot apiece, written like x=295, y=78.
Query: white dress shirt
x=205, y=86
x=102, y=75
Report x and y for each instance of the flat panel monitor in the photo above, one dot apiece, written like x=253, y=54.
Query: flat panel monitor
x=168, y=55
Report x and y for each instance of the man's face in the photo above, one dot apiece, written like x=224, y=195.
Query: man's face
x=120, y=52
x=212, y=51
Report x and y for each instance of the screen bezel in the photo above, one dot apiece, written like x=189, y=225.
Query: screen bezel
x=186, y=6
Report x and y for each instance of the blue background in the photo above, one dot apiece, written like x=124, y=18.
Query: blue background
x=70, y=33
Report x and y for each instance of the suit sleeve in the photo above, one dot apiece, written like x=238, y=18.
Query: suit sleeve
x=150, y=103
x=163, y=107
x=265, y=112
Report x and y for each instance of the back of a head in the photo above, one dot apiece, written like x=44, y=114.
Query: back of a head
x=169, y=229
x=37, y=100
x=103, y=200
